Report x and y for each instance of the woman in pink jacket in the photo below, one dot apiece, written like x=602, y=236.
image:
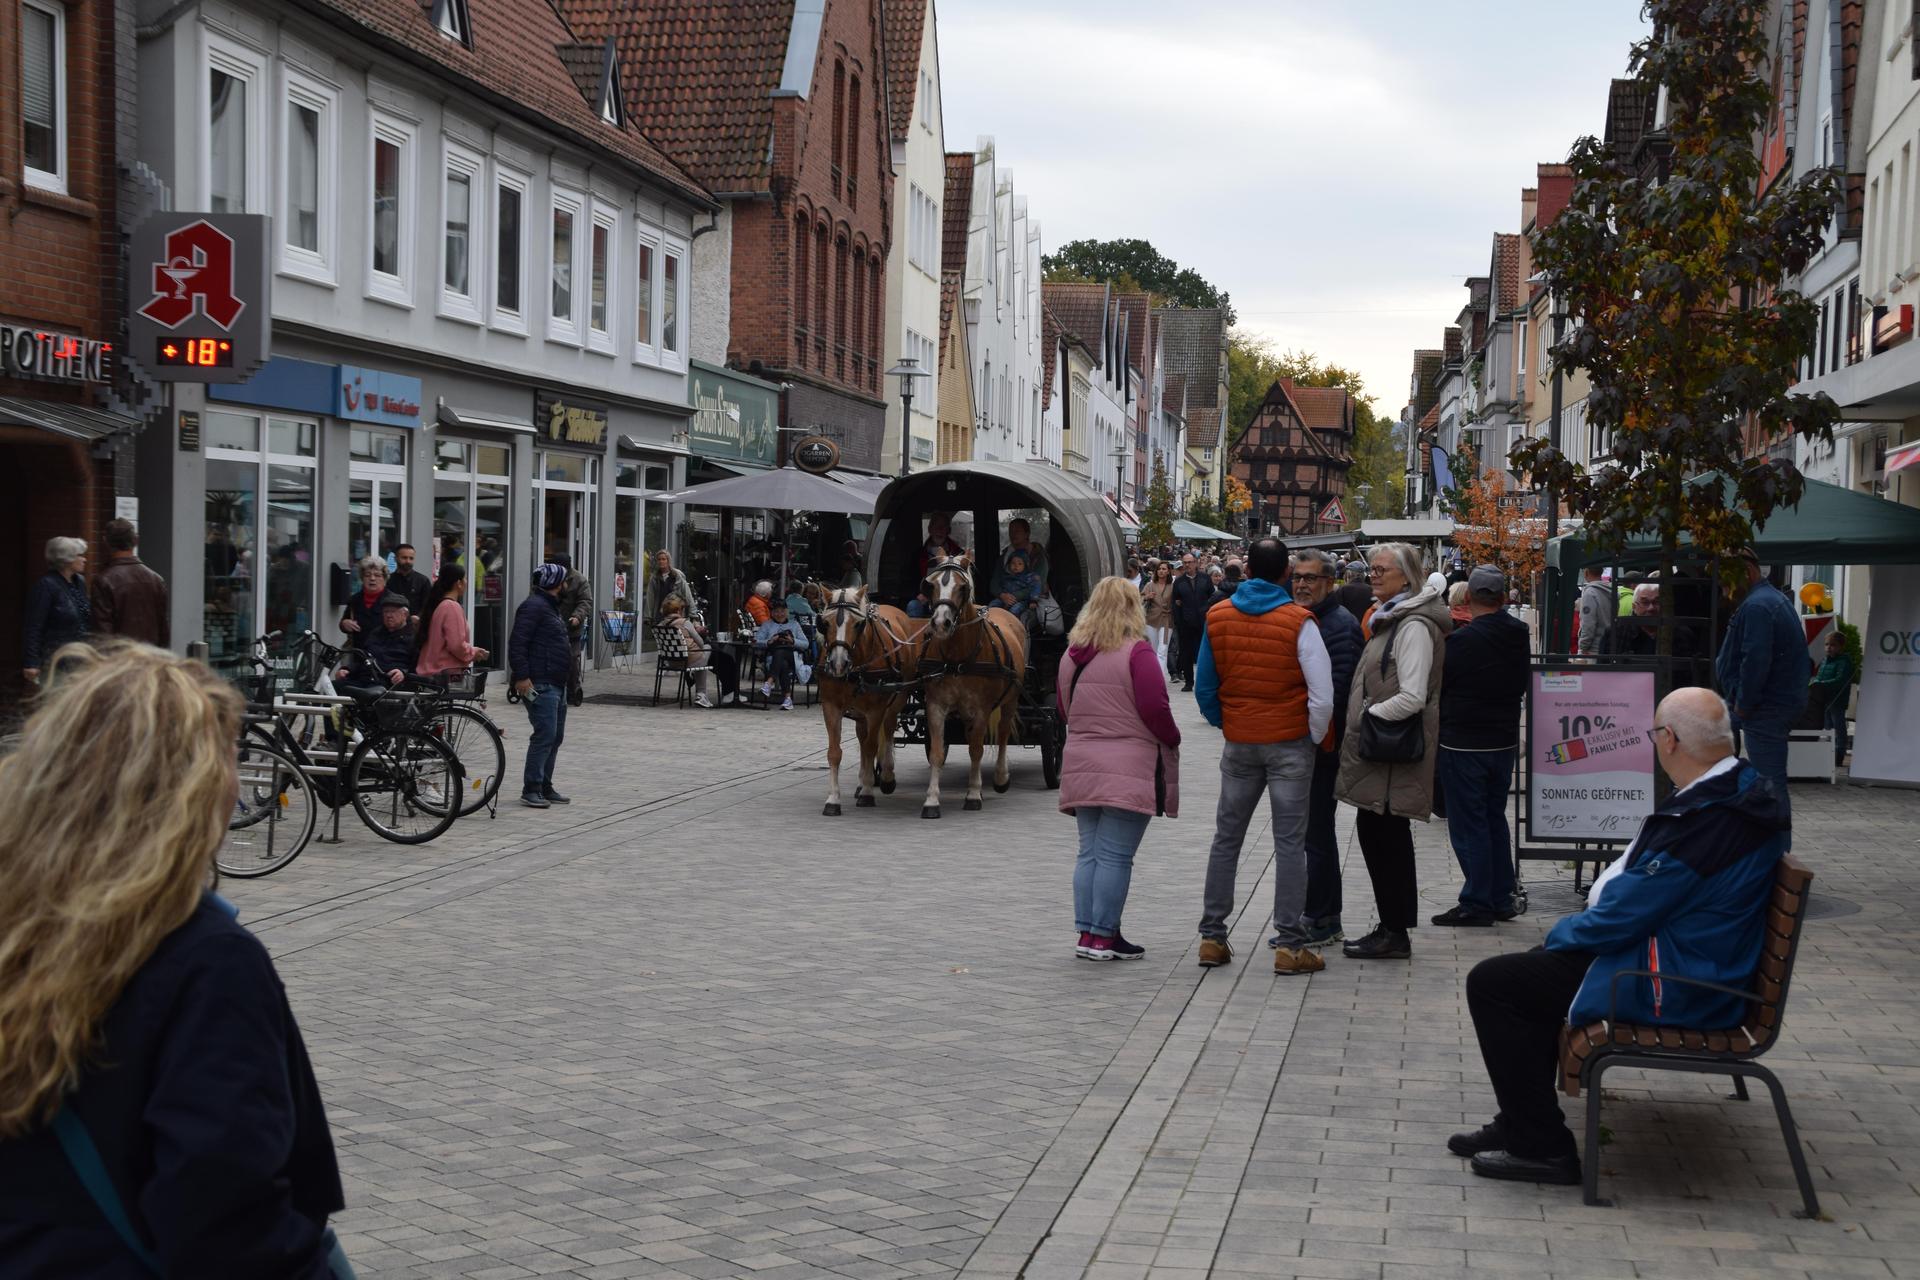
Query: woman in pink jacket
x=446, y=646
x=1121, y=768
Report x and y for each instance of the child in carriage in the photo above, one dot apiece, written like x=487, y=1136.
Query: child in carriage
x=1020, y=582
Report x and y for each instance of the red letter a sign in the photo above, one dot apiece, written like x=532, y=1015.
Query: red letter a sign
x=197, y=272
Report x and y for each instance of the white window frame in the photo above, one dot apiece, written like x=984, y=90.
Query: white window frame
x=320, y=265
x=396, y=290
x=646, y=346
x=675, y=359
x=467, y=307
x=249, y=66
x=503, y=319
x=566, y=330
x=54, y=180
x=607, y=217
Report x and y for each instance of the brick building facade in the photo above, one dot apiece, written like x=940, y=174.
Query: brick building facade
x=60, y=310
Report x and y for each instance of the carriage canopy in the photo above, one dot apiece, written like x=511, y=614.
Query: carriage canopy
x=1075, y=526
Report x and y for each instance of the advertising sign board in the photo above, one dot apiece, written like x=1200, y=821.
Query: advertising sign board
x=1590, y=772
x=198, y=284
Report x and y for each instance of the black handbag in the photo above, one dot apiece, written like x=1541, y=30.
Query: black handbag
x=1391, y=741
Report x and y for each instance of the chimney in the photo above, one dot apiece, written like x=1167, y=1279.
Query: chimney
x=1529, y=205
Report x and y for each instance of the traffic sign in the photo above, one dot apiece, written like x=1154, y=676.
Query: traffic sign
x=1332, y=513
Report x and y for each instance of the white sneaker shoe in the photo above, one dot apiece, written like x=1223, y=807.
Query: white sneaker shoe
x=700, y=700
x=766, y=689
x=786, y=704
x=728, y=699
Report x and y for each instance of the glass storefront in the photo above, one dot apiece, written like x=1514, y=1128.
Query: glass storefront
x=639, y=530
x=565, y=486
x=376, y=497
x=470, y=517
x=259, y=531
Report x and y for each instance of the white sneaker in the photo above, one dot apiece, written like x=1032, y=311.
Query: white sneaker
x=728, y=699
x=787, y=704
x=766, y=689
x=700, y=700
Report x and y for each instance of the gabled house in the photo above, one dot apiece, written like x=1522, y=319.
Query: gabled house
x=1095, y=418
x=1001, y=300
x=1294, y=456
x=914, y=267
x=780, y=108
x=959, y=408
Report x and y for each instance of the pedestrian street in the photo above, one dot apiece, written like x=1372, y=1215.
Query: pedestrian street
x=687, y=1026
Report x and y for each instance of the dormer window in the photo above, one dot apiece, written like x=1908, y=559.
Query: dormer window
x=611, y=107
x=450, y=20
x=610, y=104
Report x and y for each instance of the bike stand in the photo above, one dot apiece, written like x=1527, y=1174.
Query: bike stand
x=493, y=805
x=323, y=838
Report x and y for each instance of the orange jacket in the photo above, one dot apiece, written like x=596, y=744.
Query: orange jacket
x=1263, y=692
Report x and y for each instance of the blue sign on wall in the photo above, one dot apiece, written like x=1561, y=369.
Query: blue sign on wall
x=342, y=390
x=372, y=395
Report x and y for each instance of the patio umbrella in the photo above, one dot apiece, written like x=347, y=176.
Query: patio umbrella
x=1195, y=532
x=786, y=489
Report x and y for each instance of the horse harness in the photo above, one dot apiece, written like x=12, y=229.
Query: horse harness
x=860, y=677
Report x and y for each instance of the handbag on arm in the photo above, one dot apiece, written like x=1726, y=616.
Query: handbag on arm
x=1391, y=741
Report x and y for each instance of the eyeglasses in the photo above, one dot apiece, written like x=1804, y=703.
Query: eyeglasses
x=1674, y=737
x=1377, y=572
x=1312, y=577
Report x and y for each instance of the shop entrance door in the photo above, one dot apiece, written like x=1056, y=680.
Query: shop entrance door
x=564, y=508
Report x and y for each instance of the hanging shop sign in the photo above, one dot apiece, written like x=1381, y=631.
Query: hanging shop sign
x=816, y=454
x=1591, y=776
x=565, y=420
x=54, y=357
x=200, y=285
x=735, y=418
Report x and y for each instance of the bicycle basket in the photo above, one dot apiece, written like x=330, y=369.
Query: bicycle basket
x=468, y=684
x=616, y=626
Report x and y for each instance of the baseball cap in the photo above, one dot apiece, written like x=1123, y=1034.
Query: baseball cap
x=1487, y=580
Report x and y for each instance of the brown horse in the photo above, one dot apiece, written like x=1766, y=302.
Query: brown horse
x=972, y=664
x=867, y=658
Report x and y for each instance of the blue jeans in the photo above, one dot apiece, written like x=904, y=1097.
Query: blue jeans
x=1836, y=720
x=1475, y=785
x=547, y=713
x=1764, y=743
x=1108, y=839
x=917, y=608
x=1283, y=773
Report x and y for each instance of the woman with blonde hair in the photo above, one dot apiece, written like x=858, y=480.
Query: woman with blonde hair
x=158, y=1114
x=1121, y=766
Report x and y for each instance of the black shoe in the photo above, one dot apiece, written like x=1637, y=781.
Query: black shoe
x=1506, y=913
x=1554, y=1171
x=1460, y=916
x=534, y=800
x=554, y=797
x=1187, y=687
x=1486, y=1138
x=1382, y=944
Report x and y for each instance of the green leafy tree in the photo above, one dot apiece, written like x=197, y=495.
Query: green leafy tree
x=1156, y=520
x=1200, y=510
x=1134, y=266
x=1685, y=333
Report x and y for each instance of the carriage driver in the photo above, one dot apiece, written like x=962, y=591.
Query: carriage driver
x=939, y=545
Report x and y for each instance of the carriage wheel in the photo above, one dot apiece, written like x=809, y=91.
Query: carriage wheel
x=1050, y=745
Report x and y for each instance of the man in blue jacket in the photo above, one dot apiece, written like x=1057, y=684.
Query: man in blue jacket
x=1762, y=671
x=1687, y=899
x=1315, y=577
x=540, y=657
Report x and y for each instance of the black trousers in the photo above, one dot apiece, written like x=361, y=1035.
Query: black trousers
x=1386, y=842
x=1323, y=847
x=1519, y=1003
x=1189, y=638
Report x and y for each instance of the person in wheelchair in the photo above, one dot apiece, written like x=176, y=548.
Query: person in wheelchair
x=387, y=652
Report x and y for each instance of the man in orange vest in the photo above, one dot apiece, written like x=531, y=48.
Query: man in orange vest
x=1263, y=678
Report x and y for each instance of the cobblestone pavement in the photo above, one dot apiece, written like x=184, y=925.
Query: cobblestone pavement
x=688, y=1026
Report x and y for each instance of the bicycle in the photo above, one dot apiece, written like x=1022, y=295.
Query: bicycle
x=401, y=779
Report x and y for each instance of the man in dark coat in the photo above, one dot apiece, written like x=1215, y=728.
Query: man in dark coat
x=1355, y=596
x=129, y=599
x=410, y=582
x=540, y=660
x=1315, y=575
x=1762, y=671
x=1487, y=662
x=576, y=608
x=1192, y=592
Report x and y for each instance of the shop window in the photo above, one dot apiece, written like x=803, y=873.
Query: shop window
x=563, y=313
x=259, y=532
x=43, y=96
x=600, y=276
x=509, y=258
x=308, y=189
x=470, y=529
x=462, y=231
x=233, y=128
x=390, y=212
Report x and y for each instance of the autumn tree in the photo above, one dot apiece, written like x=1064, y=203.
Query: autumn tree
x=1683, y=324
x=1491, y=526
x=1134, y=266
x=1235, y=499
x=1157, y=517
x=1200, y=510
x=1376, y=483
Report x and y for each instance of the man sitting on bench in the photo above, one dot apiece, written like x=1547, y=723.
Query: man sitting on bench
x=1688, y=897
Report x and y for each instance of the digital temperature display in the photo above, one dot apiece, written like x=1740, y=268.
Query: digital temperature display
x=199, y=353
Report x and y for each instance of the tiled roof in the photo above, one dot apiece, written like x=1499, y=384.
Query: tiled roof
x=515, y=58
x=1508, y=250
x=1630, y=111
x=1049, y=354
x=700, y=74
x=1195, y=337
x=1450, y=342
x=1431, y=420
x=1426, y=368
x=906, y=22
x=949, y=299
x=1136, y=306
x=1322, y=408
x=1082, y=311
x=1203, y=427
x=957, y=214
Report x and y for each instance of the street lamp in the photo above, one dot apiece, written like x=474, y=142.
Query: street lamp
x=1120, y=457
x=907, y=370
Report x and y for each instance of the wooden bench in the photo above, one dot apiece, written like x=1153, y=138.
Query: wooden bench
x=1586, y=1053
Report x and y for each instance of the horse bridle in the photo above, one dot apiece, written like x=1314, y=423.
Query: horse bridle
x=941, y=569
x=863, y=615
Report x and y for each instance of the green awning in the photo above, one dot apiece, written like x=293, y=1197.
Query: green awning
x=1831, y=525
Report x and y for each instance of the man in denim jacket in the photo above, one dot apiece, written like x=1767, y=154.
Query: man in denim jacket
x=1687, y=899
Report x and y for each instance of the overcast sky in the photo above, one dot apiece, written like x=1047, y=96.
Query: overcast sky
x=1339, y=169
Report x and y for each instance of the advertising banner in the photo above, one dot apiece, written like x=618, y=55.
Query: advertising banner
x=1591, y=772
x=1885, y=732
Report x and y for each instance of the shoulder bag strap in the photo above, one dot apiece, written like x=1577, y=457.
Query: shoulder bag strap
x=1074, y=684
x=77, y=1143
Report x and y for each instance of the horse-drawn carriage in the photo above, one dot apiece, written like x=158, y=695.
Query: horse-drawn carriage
x=972, y=664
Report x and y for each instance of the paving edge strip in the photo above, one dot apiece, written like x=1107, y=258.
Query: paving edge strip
x=1114, y=1126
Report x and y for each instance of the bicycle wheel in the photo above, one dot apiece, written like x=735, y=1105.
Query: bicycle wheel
x=274, y=816
x=405, y=785
x=482, y=751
